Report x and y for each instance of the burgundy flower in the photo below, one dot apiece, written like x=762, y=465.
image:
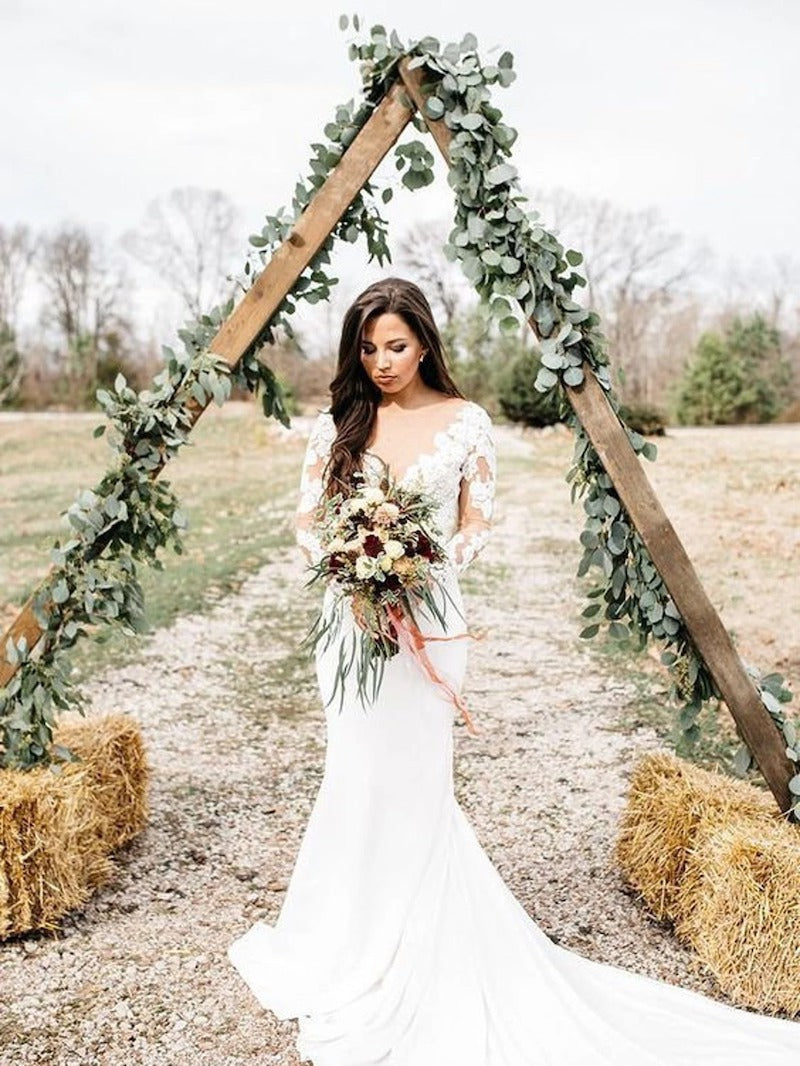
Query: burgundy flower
x=424, y=546
x=373, y=545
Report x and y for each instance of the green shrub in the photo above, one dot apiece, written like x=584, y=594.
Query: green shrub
x=10, y=366
x=480, y=354
x=740, y=375
x=520, y=400
x=644, y=418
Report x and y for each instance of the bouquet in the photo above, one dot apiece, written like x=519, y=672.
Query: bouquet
x=380, y=554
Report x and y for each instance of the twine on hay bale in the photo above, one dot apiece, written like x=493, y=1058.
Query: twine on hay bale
x=671, y=805
x=739, y=904
x=57, y=829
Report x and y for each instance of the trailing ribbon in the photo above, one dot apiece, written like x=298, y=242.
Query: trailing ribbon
x=413, y=640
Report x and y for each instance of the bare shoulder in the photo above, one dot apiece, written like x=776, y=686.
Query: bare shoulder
x=458, y=404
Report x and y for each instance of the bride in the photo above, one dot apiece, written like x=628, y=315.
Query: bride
x=398, y=943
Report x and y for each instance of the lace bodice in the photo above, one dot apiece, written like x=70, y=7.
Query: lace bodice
x=458, y=473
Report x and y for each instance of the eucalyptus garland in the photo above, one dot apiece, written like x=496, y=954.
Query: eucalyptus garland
x=126, y=519
x=522, y=272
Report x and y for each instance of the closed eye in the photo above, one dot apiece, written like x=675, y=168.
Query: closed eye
x=367, y=349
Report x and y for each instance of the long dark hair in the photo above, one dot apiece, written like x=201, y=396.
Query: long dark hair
x=354, y=397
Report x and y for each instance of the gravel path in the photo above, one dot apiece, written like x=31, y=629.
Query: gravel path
x=236, y=737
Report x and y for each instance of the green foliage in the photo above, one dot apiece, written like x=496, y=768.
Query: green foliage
x=482, y=354
x=10, y=366
x=128, y=518
x=737, y=376
x=522, y=273
x=645, y=419
x=290, y=401
x=521, y=401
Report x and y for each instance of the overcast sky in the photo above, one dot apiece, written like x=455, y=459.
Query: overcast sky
x=690, y=106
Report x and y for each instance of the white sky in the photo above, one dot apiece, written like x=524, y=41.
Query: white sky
x=690, y=106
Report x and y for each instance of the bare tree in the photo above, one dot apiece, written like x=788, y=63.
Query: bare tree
x=421, y=251
x=17, y=251
x=189, y=240
x=85, y=292
x=637, y=277
x=769, y=285
x=84, y=288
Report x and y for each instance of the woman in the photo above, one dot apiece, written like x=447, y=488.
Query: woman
x=398, y=943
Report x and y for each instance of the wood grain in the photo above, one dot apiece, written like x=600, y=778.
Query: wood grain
x=276, y=280
x=666, y=550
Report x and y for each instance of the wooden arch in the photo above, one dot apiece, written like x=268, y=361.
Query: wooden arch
x=256, y=308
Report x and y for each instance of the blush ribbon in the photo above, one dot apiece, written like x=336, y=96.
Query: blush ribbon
x=413, y=640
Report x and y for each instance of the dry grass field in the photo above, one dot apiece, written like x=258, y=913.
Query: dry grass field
x=232, y=723
x=733, y=494
x=236, y=481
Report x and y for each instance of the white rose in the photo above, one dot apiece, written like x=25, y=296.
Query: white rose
x=365, y=567
x=394, y=549
x=372, y=494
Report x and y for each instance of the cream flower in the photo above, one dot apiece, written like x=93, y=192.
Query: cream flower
x=386, y=513
x=385, y=563
x=365, y=567
x=394, y=549
x=372, y=494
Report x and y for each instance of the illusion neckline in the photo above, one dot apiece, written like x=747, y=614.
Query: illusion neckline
x=438, y=436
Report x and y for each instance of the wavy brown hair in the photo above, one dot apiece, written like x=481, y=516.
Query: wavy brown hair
x=354, y=397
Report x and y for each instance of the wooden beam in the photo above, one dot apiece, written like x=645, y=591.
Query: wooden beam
x=315, y=224
x=634, y=489
x=276, y=280
x=710, y=636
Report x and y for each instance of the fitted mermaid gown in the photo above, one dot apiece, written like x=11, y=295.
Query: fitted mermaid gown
x=398, y=943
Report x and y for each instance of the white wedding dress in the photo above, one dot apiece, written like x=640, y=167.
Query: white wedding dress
x=398, y=943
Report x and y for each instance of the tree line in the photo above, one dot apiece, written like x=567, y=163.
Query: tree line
x=77, y=295
x=682, y=350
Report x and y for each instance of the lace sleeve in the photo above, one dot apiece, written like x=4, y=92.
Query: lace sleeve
x=476, y=499
x=323, y=433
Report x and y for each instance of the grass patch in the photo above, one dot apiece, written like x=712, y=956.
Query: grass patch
x=484, y=577
x=237, y=481
x=649, y=705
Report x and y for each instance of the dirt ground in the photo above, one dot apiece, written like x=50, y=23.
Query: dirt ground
x=235, y=734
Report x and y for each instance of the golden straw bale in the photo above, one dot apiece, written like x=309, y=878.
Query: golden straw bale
x=670, y=803
x=113, y=752
x=57, y=829
x=739, y=905
x=4, y=903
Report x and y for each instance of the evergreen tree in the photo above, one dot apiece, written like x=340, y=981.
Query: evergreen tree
x=740, y=375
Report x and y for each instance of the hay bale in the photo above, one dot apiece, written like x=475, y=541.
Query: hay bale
x=739, y=908
x=113, y=753
x=4, y=903
x=672, y=803
x=57, y=829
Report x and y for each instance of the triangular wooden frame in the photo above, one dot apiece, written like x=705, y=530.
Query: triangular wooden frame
x=373, y=142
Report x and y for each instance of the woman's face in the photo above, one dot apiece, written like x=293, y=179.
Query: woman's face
x=390, y=353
